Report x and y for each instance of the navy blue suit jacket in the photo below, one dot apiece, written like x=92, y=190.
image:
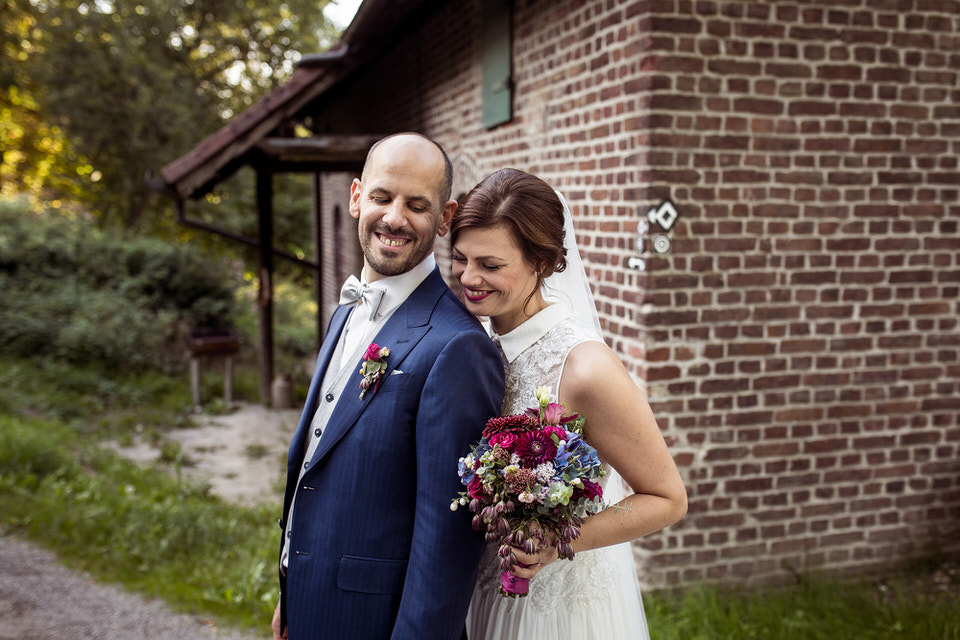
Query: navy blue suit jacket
x=375, y=550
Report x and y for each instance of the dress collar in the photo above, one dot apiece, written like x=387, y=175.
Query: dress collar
x=398, y=288
x=518, y=340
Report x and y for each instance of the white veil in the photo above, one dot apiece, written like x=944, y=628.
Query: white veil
x=571, y=285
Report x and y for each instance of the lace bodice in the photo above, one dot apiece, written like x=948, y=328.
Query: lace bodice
x=541, y=364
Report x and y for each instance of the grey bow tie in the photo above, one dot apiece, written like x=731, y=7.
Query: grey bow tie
x=353, y=291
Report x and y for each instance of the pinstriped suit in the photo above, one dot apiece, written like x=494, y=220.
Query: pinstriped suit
x=375, y=551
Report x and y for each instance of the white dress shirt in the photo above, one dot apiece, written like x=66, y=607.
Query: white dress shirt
x=396, y=289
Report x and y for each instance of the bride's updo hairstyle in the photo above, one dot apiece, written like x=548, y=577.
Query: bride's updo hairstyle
x=528, y=207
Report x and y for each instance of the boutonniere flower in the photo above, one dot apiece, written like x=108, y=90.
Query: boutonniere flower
x=374, y=364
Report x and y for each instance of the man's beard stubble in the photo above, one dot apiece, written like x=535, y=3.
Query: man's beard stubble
x=393, y=266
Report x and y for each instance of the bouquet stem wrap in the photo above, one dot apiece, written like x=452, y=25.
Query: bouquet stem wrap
x=513, y=586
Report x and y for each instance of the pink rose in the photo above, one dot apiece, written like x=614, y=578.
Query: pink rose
x=553, y=413
x=503, y=439
x=373, y=352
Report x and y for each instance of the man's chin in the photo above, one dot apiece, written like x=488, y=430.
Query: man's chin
x=390, y=267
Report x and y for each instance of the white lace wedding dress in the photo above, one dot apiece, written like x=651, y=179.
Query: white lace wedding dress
x=595, y=595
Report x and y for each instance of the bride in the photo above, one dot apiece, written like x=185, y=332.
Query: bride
x=510, y=255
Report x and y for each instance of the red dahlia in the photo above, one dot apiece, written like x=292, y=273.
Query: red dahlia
x=511, y=424
x=535, y=447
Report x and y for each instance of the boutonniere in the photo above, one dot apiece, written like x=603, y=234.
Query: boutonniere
x=374, y=364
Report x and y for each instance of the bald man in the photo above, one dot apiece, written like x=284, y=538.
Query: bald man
x=404, y=382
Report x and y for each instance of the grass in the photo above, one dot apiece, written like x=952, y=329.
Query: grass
x=170, y=538
x=153, y=533
x=140, y=528
x=904, y=606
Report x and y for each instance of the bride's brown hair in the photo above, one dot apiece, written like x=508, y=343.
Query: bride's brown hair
x=527, y=206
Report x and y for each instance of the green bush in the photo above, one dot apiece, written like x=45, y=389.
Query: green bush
x=294, y=324
x=74, y=292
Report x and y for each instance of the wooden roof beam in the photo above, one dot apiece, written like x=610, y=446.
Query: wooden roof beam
x=348, y=151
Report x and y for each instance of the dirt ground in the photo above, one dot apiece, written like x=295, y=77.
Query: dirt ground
x=241, y=455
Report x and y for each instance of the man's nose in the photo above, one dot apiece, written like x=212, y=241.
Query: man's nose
x=395, y=215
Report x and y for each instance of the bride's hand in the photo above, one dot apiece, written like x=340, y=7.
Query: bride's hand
x=529, y=564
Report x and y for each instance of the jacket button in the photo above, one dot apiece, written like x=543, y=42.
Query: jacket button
x=329, y=397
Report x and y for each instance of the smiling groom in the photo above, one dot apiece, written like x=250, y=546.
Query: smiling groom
x=370, y=547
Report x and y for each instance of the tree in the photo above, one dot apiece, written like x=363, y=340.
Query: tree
x=111, y=88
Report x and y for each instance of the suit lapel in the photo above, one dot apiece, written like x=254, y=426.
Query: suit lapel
x=401, y=333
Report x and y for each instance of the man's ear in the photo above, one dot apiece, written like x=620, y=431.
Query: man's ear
x=355, y=190
x=446, y=217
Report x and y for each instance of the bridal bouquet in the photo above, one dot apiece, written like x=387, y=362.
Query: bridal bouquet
x=530, y=473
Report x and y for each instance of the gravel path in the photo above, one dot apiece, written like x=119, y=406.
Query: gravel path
x=42, y=600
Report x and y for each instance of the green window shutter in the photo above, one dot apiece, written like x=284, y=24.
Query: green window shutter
x=497, y=83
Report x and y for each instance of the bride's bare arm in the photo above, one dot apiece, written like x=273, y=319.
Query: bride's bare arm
x=622, y=427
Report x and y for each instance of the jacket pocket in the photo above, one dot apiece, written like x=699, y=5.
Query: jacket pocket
x=371, y=575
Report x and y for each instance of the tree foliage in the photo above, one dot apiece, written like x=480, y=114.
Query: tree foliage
x=82, y=294
x=95, y=93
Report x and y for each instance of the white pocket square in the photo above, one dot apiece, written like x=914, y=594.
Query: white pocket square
x=396, y=372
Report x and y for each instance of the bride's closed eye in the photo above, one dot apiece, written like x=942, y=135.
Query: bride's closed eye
x=487, y=266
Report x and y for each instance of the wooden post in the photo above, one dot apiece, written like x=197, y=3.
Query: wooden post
x=318, y=255
x=265, y=296
x=207, y=343
x=195, y=380
x=228, y=381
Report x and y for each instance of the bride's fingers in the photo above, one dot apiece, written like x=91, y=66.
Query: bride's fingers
x=526, y=558
x=529, y=564
x=522, y=570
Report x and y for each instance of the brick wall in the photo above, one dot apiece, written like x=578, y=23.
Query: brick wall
x=799, y=341
x=802, y=335
x=340, y=248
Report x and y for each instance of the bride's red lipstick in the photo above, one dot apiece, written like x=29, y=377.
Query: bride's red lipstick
x=477, y=297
